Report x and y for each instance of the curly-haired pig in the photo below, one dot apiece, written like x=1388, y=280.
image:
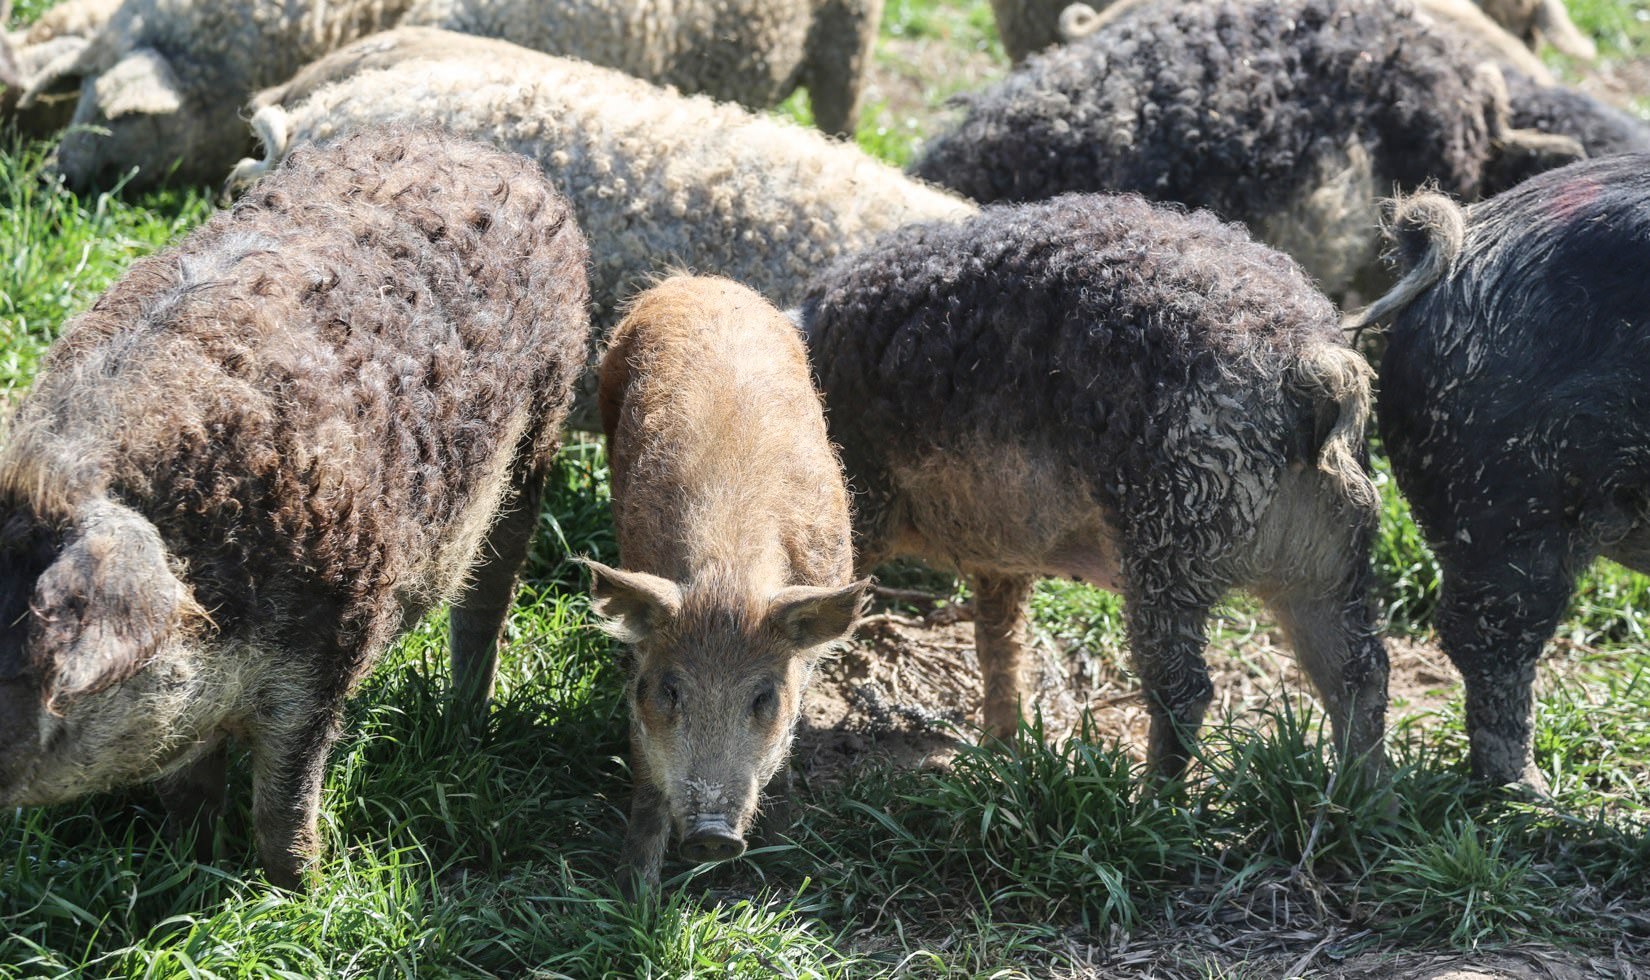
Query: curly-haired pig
x=267, y=451
x=1515, y=405
x=734, y=541
x=1097, y=388
x=1295, y=117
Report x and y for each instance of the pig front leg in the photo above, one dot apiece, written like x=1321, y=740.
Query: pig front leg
x=1001, y=609
x=476, y=620
x=194, y=797
x=645, y=841
x=1496, y=611
x=290, y=745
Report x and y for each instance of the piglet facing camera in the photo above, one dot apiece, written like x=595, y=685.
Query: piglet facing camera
x=733, y=530
x=266, y=452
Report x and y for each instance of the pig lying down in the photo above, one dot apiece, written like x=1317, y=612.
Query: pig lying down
x=733, y=532
x=266, y=452
x=1096, y=388
x=1513, y=404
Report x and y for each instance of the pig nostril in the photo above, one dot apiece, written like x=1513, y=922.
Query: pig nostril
x=711, y=841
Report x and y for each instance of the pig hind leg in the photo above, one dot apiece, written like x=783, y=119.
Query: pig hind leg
x=1334, y=638
x=1166, y=642
x=476, y=620
x=1314, y=544
x=1001, y=608
x=1498, y=607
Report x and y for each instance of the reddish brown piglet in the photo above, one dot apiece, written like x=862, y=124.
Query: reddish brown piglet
x=733, y=529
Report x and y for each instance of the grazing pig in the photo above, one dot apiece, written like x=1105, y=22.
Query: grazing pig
x=1134, y=397
x=732, y=524
x=1513, y=404
x=1294, y=117
x=267, y=451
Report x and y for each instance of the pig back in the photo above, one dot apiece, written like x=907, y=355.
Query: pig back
x=319, y=392
x=717, y=440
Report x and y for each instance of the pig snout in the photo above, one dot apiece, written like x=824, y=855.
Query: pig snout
x=711, y=838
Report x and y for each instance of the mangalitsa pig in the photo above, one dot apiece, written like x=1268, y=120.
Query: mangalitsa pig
x=267, y=451
x=733, y=531
x=1514, y=397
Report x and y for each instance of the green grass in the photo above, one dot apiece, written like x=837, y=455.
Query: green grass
x=58, y=251
x=477, y=846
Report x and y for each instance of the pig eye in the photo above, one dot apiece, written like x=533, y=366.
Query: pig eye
x=669, y=692
x=766, y=702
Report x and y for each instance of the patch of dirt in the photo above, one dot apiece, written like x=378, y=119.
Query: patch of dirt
x=907, y=688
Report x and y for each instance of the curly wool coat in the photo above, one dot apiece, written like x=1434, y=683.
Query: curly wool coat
x=1098, y=388
x=168, y=78
x=1294, y=117
x=1513, y=406
x=657, y=180
x=269, y=449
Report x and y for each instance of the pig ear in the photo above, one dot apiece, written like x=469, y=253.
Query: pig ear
x=811, y=616
x=142, y=83
x=631, y=606
x=104, y=607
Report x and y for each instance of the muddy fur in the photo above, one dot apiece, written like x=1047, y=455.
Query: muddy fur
x=1601, y=128
x=1099, y=388
x=732, y=524
x=1517, y=432
x=657, y=180
x=269, y=449
x=1294, y=117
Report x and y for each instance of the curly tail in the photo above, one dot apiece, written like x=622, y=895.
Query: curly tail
x=1079, y=20
x=274, y=131
x=1337, y=380
x=1426, y=231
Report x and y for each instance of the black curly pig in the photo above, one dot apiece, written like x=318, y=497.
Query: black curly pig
x=1515, y=405
x=267, y=451
x=1294, y=117
x=1601, y=128
x=1098, y=388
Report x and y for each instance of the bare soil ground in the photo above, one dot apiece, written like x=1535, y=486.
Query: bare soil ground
x=902, y=691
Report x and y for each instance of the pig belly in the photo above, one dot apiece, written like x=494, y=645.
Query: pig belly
x=1005, y=511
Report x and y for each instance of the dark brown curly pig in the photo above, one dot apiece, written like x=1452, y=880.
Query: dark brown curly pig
x=1126, y=395
x=267, y=451
x=732, y=520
